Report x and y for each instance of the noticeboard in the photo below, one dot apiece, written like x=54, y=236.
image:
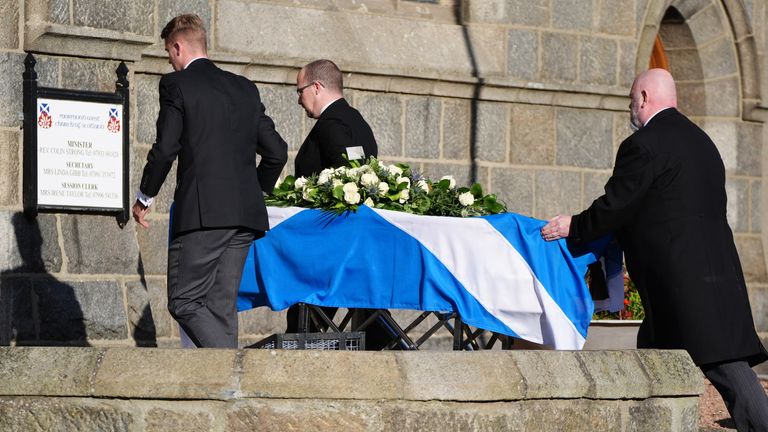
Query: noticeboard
x=75, y=149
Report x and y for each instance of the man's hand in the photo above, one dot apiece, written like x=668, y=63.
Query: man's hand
x=557, y=228
x=139, y=211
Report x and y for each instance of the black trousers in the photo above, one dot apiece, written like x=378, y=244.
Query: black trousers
x=204, y=271
x=742, y=393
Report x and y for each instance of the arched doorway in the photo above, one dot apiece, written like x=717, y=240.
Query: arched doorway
x=659, y=58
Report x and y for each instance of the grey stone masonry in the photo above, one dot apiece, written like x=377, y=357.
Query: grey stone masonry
x=120, y=15
x=584, y=138
x=750, y=253
x=455, y=129
x=11, y=67
x=85, y=238
x=147, y=107
x=218, y=390
x=559, y=57
x=754, y=204
x=598, y=61
x=514, y=186
x=281, y=105
x=10, y=168
x=738, y=204
x=148, y=316
x=556, y=192
x=9, y=25
x=384, y=113
x=491, y=138
x=422, y=127
x=523, y=57
x=573, y=14
x=28, y=246
x=532, y=135
x=46, y=310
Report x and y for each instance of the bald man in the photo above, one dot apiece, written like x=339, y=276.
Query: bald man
x=666, y=205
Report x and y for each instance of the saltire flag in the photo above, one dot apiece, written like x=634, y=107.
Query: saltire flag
x=495, y=271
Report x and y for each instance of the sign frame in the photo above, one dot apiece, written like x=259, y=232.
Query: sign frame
x=31, y=145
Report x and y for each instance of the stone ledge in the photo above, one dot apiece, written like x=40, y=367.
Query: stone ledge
x=61, y=39
x=59, y=413
x=149, y=373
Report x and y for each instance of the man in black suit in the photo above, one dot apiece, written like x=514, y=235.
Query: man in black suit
x=666, y=205
x=340, y=135
x=214, y=121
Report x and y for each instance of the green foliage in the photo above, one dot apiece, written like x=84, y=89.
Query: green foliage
x=389, y=187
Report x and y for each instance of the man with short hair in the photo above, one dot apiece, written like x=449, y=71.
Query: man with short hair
x=666, y=205
x=341, y=134
x=215, y=122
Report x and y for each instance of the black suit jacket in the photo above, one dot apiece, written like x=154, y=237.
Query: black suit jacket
x=214, y=121
x=340, y=126
x=666, y=202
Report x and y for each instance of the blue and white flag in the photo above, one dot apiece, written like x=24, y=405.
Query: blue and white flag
x=495, y=271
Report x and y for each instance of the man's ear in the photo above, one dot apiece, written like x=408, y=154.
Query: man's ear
x=176, y=49
x=645, y=97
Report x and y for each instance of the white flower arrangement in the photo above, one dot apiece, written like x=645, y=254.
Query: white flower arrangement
x=378, y=185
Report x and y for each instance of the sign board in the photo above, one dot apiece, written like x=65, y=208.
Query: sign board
x=75, y=148
x=79, y=154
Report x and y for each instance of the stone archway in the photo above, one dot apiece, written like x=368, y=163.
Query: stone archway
x=706, y=54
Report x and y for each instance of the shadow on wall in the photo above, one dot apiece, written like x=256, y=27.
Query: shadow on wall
x=35, y=307
x=144, y=330
x=477, y=87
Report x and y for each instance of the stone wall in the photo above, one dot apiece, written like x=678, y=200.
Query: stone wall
x=545, y=81
x=128, y=389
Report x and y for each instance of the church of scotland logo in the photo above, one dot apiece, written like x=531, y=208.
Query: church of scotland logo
x=113, y=125
x=44, y=120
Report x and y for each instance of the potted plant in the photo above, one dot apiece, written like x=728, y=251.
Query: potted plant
x=617, y=330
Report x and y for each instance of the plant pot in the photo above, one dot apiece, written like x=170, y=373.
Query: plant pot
x=612, y=334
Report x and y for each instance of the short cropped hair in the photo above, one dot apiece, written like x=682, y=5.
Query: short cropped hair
x=188, y=26
x=326, y=72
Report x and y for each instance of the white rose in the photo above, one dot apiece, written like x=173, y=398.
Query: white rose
x=369, y=179
x=383, y=189
x=351, y=197
x=350, y=188
x=404, y=195
x=403, y=180
x=423, y=185
x=325, y=176
x=466, y=199
x=300, y=183
x=305, y=194
x=394, y=170
x=353, y=172
x=451, y=180
x=368, y=202
x=340, y=172
x=336, y=182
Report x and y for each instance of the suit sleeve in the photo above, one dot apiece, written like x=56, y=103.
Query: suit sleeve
x=624, y=194
x=334, y=137
x=170, y=123
x=273, y=151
